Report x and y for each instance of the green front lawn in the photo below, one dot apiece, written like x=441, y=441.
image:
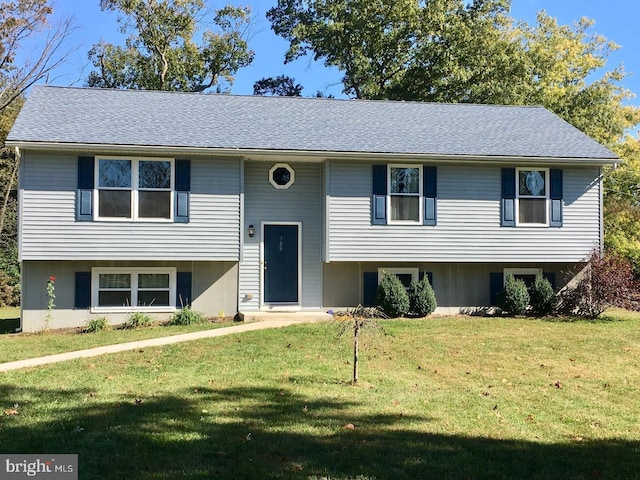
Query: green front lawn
x=29, y=345
x=438, y=398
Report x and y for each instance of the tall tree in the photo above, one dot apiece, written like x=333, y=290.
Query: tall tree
x=282, y=86
x=375, y=43
x=21, y=22
x=161, y=52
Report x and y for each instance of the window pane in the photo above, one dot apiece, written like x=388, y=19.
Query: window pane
x=405, y=208
x=148, y=298
x=154, y=204
x=114, y=173
x=154, y=174
x=115, y=280
x=533, y=210
x=405, y=180
x=115, y=203
x=153, y=280
x=532, y=183
x=110, y=298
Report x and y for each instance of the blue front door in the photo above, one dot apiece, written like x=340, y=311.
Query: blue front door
x=281, y=263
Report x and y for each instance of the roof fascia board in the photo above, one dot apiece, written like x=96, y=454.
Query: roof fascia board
x=257, y=154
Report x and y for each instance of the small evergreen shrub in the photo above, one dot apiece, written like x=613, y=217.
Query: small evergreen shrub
x=97, y=325
x=138, y=320
x=187, y=316
x=514, y=299
x=543, y=298
x=391, y=296
x=422, y=299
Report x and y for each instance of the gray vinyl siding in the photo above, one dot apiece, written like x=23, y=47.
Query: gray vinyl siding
x=49, y=229
x=302, y=202
x=468, y=228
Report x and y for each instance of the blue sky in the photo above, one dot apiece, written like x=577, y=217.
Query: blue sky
x=617, y=20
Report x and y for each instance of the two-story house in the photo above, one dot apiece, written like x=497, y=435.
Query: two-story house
x=140, y=200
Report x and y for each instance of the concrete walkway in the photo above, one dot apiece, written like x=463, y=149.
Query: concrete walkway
x=153, y=342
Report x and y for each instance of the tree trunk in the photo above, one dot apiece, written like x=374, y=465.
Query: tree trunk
x=356, y=331
x=6, y=195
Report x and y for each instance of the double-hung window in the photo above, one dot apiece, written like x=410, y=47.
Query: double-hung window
x=405, y=192
x=532, y=196
x=134, y=189
x=125, y=289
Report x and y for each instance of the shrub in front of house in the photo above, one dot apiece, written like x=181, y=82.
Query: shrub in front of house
x=187, y=316
x=422, y=299
x=138, y=320
x=514, y=299
x=391, y=297
x=97, y=325
x=607, y=281
x=542, y=296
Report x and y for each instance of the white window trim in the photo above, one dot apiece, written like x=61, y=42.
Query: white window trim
x=520, y=271
x=545, y=197
x=95, y=284
x=414, y=271
x=134, y=189
x=286, y=185
x=419, y=194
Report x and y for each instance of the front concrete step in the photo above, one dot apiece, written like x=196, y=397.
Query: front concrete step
x=301, y=316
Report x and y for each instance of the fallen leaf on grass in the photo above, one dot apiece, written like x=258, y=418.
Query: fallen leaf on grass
x=12, y=411
x=349, y=426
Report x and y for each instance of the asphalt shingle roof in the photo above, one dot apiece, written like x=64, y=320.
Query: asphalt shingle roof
x=145, y=118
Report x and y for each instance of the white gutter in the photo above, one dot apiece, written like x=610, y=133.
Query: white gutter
x=253, y=153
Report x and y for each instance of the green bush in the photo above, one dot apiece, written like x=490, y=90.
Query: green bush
x=543, y=298
x=97, y=325
x=7, y=294
x=391, y=296
x=138, y=320
x=514, y=299
x=187, y=316
x=422, y=299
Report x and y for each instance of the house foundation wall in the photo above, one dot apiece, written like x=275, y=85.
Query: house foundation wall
x=459, y=287
x=214, y=290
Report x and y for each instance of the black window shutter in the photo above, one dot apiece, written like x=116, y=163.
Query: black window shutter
x=84, y=194
x=370, y=288
x=183, y=289
x=379, y=197
x=430, y=192
x=496, y=285
x=429, y=277
x=555, y=197
x=183, y=188
x=551, y=277
x=83, y=290
x=508, y=204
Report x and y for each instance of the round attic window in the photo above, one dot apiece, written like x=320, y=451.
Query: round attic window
x=281, y=176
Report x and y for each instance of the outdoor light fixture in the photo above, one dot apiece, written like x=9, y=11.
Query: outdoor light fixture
x=252, y=231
